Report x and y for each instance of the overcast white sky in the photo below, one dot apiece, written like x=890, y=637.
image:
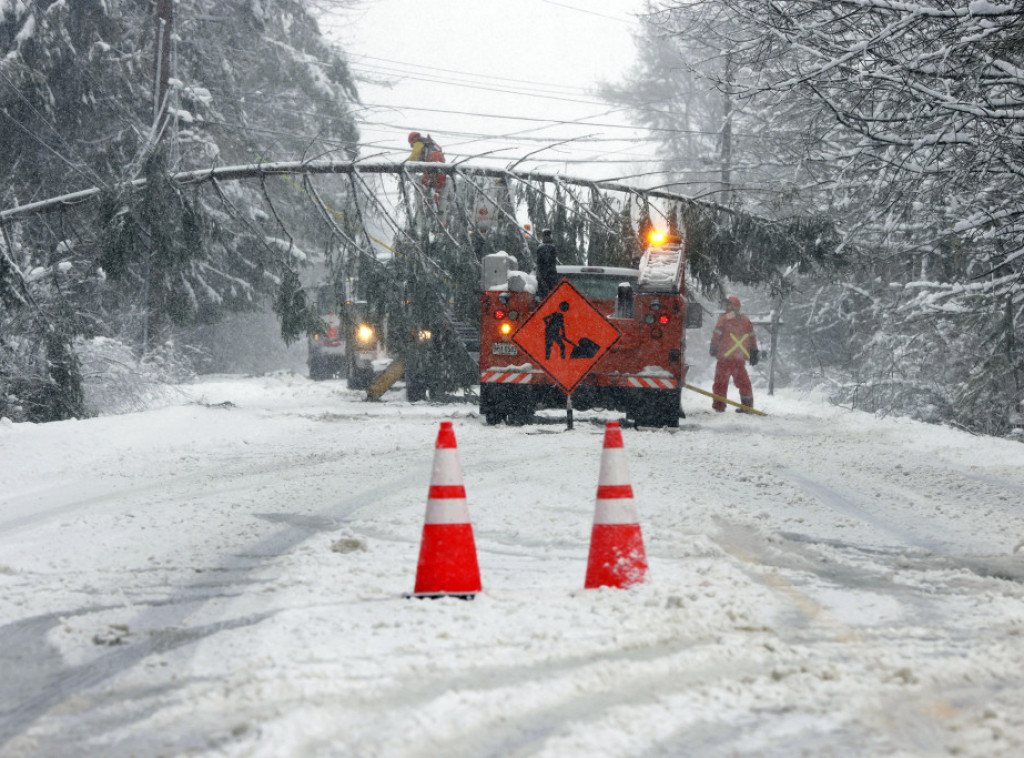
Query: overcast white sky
x=496, y=77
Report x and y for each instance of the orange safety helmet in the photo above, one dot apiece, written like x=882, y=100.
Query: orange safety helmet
x=414, y=137
x=733, y=300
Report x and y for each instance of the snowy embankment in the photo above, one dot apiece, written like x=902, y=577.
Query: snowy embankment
x=224, y=576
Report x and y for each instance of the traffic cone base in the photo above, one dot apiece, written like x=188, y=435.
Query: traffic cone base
x=447, y=564
x=617, y=556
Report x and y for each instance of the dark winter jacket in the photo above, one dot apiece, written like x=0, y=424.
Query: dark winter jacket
x=547, y=274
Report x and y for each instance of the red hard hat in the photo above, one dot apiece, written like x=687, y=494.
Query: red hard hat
x=414, y=137
x=734, y=300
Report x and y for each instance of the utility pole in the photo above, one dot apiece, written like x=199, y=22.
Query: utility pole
x=164, y=12
x=776, y=319
x=164, y=27
x=1011, y=353
x=726, y=153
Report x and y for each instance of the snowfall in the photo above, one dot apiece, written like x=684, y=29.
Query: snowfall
x=225, y=574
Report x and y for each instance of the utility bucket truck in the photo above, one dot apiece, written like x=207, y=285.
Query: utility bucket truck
x=642, y=374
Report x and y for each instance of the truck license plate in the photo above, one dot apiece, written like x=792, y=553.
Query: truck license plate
x=504, y=348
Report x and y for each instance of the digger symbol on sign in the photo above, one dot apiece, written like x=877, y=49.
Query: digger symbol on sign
x=554, y=333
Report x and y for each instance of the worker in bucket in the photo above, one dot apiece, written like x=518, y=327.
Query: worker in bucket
x=733, y=343
x=426, y=150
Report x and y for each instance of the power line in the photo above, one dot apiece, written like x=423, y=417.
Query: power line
x=620, y=19
x=501, y=90
x=419, y=66
x=348, y=145
x=526, y=93
x=485, y=136
x=550, y=120
x=498, y=116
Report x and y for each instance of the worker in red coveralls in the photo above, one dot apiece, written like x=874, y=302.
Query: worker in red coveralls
x=733, y=343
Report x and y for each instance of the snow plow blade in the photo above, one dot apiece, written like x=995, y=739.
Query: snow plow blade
x=383, y=382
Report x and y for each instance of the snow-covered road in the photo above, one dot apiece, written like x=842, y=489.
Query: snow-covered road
x=224, y=576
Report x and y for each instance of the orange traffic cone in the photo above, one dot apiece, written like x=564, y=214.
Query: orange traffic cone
x=447, y=563
x=617, y=557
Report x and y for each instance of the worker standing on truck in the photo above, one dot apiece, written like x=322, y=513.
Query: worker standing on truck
x=733, y=343
x=547, y=261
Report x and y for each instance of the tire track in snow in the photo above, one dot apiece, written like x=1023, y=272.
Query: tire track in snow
x=929, y=718
x=54, y=683
x=550, y=697
x=196, y=483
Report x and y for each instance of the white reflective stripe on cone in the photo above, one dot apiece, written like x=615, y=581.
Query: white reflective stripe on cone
x=447, y=469
x=613, y=467
x=447, y=511
x=617, y=511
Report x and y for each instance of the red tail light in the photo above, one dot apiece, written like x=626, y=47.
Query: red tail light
x=499, y=314
x=663, y=319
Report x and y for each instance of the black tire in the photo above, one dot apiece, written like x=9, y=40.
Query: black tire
x=415, y=389
x=490, y=404
x=514, y=404
x=671, y=409
x=656, y=408
x=521, y=406
x=338, y=367
x=316, y=368
x=359, y=378
x=436, y=391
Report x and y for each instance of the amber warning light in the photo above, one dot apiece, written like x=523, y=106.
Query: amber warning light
x=656, y=238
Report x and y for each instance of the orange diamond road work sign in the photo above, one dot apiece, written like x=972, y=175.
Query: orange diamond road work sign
x=566, y=336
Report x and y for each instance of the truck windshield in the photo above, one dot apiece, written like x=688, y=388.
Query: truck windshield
x=600, y=287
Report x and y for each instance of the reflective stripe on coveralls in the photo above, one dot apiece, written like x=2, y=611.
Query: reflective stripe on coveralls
x=738, y=344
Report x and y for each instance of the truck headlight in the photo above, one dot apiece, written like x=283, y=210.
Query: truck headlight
x=364, y=333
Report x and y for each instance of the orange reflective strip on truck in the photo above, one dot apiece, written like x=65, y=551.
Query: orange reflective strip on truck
x=506, y=377
x=652, y=382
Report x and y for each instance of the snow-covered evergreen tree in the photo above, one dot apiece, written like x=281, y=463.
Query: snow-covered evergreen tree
x=898, y=121
x=248, y=81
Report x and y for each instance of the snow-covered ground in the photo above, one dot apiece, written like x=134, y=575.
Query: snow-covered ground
x=224, y=576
